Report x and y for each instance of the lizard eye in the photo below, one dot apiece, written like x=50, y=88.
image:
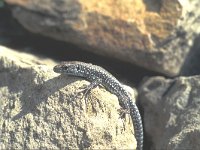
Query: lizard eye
x=78, y=68
x=65, y=67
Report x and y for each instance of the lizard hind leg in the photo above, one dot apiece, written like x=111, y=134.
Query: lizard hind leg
x=123, y=112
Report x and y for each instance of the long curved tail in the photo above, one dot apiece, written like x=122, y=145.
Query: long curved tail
x=137, y=123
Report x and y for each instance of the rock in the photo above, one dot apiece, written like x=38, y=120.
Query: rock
x=38, y=109
x=157, y=35
x=171, y=112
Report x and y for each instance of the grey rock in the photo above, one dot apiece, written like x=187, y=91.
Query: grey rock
x=171, y=112
x=157, y=35
x=37, y=109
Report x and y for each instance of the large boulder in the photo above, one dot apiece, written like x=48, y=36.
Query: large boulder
x=171, y=112
x=157, y=35
x=38, y=109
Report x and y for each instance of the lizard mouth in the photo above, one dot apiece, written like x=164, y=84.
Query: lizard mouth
x=57, y=68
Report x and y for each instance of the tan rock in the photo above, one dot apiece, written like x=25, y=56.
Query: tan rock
x=37, y=109
x=154, y=34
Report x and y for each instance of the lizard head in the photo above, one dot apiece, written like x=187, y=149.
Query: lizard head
x=69, y=68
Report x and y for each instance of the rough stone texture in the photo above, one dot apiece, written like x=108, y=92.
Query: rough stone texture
x=154, y=34
x=38, y=109
x=171, y=112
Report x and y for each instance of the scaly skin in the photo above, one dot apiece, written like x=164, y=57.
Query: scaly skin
x=97, y=75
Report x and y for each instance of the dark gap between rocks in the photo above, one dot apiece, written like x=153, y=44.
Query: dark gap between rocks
x=192, y=61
